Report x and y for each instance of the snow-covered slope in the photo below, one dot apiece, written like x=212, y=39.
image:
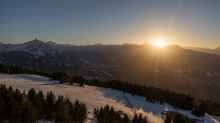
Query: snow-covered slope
x=96, y=97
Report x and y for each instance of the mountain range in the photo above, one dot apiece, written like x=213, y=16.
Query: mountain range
x=206, y=49
x=178, y=69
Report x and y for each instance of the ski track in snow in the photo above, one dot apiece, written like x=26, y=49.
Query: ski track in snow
x=96, y=97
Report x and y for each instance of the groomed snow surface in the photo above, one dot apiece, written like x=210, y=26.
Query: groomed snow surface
x=96, y=97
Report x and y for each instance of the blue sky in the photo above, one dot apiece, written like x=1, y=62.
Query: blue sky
x=86, y=22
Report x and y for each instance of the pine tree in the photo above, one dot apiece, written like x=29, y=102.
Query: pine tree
x=62, y=79
x=81, y=82
x=50, y=105
x=79, y=112
x=126, y=119
x=17, y=95
x=28, y=112
x=140, y=118
x=32, y=97
x=15, y=111
x=112, y=119
x=112, y=112
x=145, y=119
x=117, y=117
x=71, y=81
x=6, y=94
x=178, y=119
x=199, y=111
x=4, y=111
x=135, y=119
x=95, y=113
x=107, y=109
x=24, y=95
x=41, y=105
x=63, y=114
x=102, y=114
x=83, y=112
x=76, y=109
x=11, y=90
x=168, y=118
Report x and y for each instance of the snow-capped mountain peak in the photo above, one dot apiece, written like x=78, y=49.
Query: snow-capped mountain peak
x=35, y=43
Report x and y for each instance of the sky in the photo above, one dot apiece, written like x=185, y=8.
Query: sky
x=86, y=22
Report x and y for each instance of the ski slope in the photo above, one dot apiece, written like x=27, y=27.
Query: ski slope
x=95, y=97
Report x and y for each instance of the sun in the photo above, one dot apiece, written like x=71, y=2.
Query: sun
x=159, y=43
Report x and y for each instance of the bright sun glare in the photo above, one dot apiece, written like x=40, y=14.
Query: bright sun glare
x=159, y=43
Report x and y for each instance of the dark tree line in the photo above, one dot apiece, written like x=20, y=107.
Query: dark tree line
x=109, y=115
x=16, y=106
x=178, y=100
x=178, y=118
x=19, y=70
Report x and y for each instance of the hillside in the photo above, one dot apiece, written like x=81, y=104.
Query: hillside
x=96, y=97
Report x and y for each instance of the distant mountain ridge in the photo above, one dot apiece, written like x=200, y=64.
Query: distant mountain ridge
x=44, y=47
x=218, y=48
x=205, y=50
